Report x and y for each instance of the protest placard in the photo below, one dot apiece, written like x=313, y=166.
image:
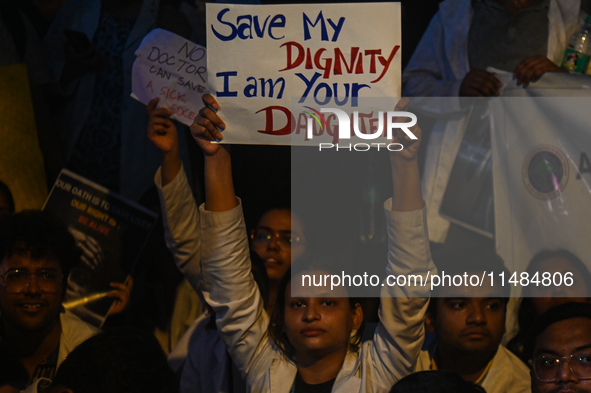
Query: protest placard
x=110, y=232
x=272, y=68
x=172, y=68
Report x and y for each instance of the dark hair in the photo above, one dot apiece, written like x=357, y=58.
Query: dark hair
x=259, y=273
x=6, y=191
x=526, y=313
x=261, y=213
x=39, y=235
x=462, y=260
x=124, y=360
x=436, y=381
x=281, y=207
x=550, y=317
x=544, y=255
x=278, y=317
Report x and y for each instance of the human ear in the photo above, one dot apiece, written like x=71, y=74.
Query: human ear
x=429, y=323
x=357, y=316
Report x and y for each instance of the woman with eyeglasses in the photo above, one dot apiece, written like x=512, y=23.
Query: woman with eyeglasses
x=278, y=240
x=318, y=328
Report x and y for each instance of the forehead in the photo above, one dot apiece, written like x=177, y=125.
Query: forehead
x=565, y=337
x=24, y=261
x=477, y=301
x=281, y=220
x=301, y=286
x=471, y=291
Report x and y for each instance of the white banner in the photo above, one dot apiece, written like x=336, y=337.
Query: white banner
x=263, y=59
x=542, y=173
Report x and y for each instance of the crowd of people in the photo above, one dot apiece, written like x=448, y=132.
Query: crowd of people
x=217, y=302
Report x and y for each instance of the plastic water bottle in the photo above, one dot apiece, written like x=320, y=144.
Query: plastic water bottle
x=576, y=55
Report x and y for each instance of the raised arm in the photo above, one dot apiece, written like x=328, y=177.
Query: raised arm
x=219, y=188
x=228, y=285
x=406, y=182
x=179, y=210
x=180, y=215
x=398, y=338
x=163, y=134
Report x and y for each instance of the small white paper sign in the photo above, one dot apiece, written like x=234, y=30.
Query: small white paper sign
x=172, y=68
x=266, y=63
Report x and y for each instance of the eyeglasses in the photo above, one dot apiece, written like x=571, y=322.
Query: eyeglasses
x=547, y=367
x=285, y=239
x=17, y=280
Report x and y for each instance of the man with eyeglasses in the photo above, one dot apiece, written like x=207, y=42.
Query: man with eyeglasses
x=560, y=349
x=36, y=254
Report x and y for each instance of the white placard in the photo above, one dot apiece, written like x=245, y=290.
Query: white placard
x=174, y=69
x=266, y=61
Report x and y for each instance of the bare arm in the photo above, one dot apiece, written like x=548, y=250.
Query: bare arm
x=405, y=171
x=219, y=188
x=163, y=134
x=228, y=285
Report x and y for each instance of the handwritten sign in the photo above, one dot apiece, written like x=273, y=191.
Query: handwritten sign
x=266, y=63
x=172, y=68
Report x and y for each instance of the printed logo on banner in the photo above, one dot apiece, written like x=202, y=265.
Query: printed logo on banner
x=317, y=116
x=545, y=172
x=344, y=126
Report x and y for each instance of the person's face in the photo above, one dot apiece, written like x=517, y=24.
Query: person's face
x=276, y=252
x=468, y=325
x=546, y=297
x=564, y=338
x=32, y=309
x=320, y=326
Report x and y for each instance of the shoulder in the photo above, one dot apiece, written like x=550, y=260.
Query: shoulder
x=74, y=332
x=507, y=357
x=354, y=372
x=73, y=326
x=507, y=374
x=424, y=362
